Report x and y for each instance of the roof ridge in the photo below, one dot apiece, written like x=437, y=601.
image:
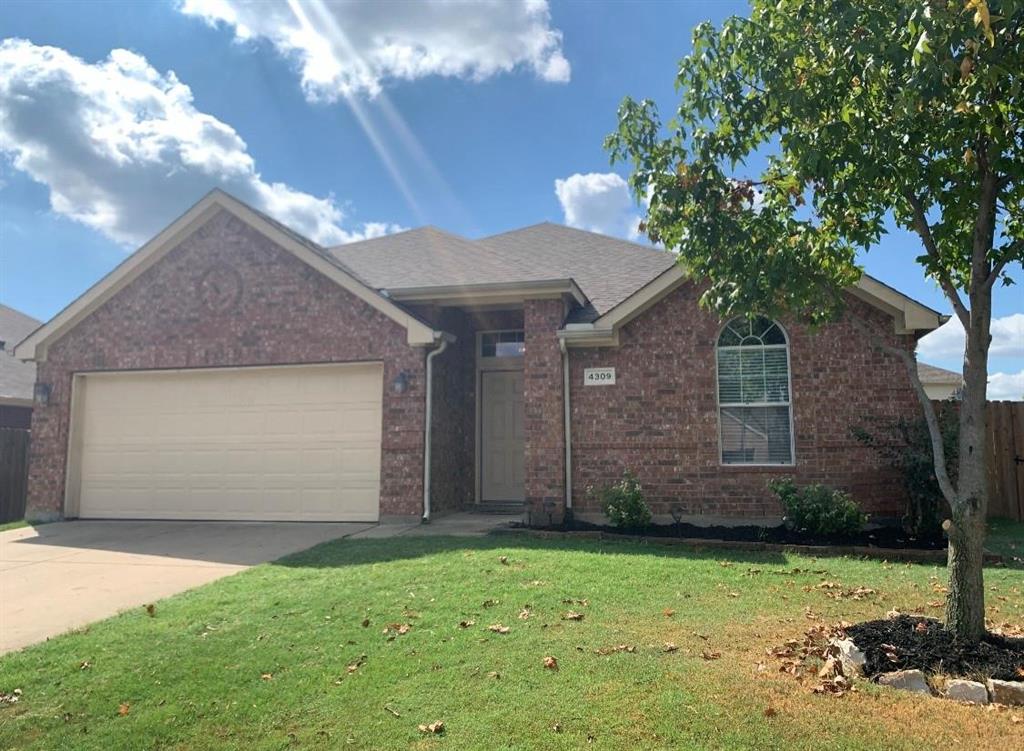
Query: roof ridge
x=391, y=235
x=576, y=230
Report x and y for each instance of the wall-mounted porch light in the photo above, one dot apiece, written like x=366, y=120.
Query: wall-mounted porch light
x=41, y=394
x=401, y=383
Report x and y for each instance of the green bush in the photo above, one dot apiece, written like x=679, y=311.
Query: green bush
x=624, y=504
x=818, y=510
x=906, y=445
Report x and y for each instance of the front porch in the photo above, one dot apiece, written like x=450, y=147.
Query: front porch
x=497, y=430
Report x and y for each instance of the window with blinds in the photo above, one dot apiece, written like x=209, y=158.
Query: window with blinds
x=754, y=411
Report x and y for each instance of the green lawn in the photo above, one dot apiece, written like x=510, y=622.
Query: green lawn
x=13, y=525
x=260, y=660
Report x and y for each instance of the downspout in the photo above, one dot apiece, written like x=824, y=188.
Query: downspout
x=567, y=427
x=426, y=427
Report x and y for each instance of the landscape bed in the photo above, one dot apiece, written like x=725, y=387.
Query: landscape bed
x=908, y=642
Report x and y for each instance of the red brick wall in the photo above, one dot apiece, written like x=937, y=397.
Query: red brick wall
x=286, y=313
x=660, y=419
x=543, y=407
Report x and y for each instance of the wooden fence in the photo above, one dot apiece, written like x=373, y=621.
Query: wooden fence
x=1006, y=459
x=13, y=473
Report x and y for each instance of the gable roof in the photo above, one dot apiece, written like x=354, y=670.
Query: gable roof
x=16, y=377
x=34, y=346
x=606, y=269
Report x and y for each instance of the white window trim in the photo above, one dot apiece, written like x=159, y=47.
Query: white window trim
x=788, y=403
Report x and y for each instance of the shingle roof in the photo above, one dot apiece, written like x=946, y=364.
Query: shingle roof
x=932, y=374
x=608, y=270
x=16, y=377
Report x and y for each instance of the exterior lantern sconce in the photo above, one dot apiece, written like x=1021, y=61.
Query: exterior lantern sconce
x=401, y=383
x=41, y=394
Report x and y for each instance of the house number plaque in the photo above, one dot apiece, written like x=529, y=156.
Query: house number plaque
x=598, y=376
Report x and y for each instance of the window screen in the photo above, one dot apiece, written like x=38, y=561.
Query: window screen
x=754, y=417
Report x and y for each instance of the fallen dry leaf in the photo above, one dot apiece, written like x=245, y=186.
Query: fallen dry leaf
x=435, y=727
x=921, y=627
x=494, y=674
x=366, y=623
x=503, y=560
x=84, y=665
x=398, y=628
x=490, y=603
x=524, y=613
x=11, y=698
x=710, y=654
x=572, y=615
x=551, y=663
x=770, y=712
x=570, y=601
x=151, y=610
x=617, y=648
x=498, y=628
x=266, y=676
x=124, y=709
x=466, y=624
x=669, y=612
x=671, y=646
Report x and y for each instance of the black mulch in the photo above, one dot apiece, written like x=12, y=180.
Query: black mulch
x=883, y=537
x=897, y=644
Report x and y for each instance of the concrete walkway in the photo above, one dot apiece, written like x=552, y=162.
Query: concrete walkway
x=61, y=576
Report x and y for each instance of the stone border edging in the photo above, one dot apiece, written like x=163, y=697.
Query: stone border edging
x=859, y=551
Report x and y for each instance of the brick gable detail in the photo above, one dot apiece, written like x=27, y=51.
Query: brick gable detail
x=284, y=312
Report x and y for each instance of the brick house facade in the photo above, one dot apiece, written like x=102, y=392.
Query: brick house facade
x=232, y=290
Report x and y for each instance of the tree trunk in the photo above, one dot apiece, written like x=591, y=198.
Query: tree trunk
x=965, y=606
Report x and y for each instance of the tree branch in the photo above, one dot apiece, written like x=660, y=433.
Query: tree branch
x=922, y=229
x=932, y=421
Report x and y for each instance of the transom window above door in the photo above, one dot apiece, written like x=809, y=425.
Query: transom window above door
x=502, y=344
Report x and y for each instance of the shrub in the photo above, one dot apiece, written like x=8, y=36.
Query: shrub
x=907, y=446
x=818, y=510
x=624, y=503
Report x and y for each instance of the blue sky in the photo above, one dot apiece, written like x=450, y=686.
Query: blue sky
x=495, y=121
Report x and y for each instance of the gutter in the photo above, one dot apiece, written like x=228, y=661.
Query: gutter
x=567, y=426
x=445, y=339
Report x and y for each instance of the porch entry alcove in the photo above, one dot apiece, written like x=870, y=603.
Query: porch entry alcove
x=502, y=441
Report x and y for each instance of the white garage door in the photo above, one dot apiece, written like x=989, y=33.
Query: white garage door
x=292, y=443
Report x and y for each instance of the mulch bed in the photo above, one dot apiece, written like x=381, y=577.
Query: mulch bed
x=883, y=537
x=908, y=642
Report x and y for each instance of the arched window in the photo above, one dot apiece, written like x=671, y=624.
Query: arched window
x=754, y=417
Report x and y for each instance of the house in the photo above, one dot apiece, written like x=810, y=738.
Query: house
x=232, y=369
x=939, y=383
x=16, y=377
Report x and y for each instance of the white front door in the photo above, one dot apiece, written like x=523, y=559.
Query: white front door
x=502, y=441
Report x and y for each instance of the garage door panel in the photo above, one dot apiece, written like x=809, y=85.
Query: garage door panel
x=284, y=443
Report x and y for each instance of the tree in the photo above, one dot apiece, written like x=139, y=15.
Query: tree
x=860, y=110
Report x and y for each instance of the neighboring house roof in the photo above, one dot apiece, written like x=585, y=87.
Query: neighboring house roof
x=606, y=269
x=34, y=346
x=16, y=377
x=930, y=374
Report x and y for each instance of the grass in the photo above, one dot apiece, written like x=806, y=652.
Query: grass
x=1006, y=538
x=13, y=525
x=260, y=660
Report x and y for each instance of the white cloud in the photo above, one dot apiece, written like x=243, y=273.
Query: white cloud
x=345, y=48
x=948, y=340
x=1006, y=386
x=122, y=148
x=599, y=202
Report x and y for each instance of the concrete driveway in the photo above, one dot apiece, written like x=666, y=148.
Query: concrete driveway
x=64, y=575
